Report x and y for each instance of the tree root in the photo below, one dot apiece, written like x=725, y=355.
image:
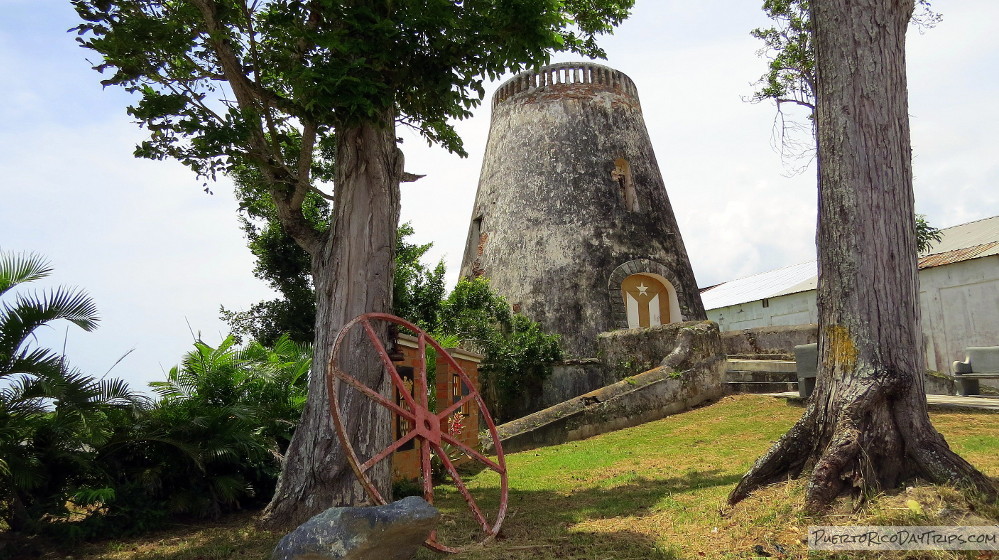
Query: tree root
x=786, y=459
x=874, y=444
x=938, y=464
x=831, y=473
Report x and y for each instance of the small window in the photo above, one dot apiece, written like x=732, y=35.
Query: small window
x=458, y=392
x=403, y=426
x=625, y=183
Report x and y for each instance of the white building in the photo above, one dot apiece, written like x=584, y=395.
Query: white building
x=958, y=295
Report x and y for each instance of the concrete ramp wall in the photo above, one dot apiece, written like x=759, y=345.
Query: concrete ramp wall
x=769, y=341
x=689, y=374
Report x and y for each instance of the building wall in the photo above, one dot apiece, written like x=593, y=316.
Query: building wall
x=960, y=307
x=791, y=309
x=959, y=303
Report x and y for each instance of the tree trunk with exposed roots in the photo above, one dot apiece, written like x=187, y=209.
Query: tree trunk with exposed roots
x=866, y=426
x=352, y=274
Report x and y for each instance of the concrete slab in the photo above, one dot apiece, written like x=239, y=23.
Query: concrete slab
x=738, y=364
x=935, y=402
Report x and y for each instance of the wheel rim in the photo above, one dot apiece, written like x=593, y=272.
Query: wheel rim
x=424, y=424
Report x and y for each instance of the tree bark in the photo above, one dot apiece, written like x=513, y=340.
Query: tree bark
x=866, y=427
x=352, y=274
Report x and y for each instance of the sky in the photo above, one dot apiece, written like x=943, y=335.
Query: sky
x=159, y=256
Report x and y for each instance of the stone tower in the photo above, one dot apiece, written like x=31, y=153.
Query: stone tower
x=571, y=220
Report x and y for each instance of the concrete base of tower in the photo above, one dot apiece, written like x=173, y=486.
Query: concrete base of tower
x=574, y=378
x=628, y=352
x=691, y=373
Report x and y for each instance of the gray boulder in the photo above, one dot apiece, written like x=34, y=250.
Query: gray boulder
x=390, y=532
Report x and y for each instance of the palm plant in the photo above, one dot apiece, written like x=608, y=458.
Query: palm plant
x=279, y=386
x=20, y=318
x=52, y=417
x=213, y=441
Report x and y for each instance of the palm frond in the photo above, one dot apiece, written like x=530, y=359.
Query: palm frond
x=26, y=472
x=116, y=392
x=19, y=320
x=182, y=449
x=227, y=489
x=70, y=389
x=37, y=362
x=17, y=268
x=20, y=397
x=180, y=384
x=86, y=496
x=71, y=304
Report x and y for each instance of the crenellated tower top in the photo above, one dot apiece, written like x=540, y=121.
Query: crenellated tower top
x=566, y=73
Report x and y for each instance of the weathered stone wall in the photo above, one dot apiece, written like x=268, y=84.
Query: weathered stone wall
x=574, y=378
x=691, y=373
x=553, y=219
x=632, y=351
x=776, y=342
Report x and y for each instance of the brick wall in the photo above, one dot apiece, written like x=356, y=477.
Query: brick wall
x=448, y=388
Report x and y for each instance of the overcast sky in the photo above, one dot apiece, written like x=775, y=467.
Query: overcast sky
x=157, y=254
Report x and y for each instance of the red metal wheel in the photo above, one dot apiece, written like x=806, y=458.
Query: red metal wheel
x=423, y=425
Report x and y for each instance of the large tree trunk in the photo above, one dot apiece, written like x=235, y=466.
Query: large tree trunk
x=352, y=274
x=866, y=426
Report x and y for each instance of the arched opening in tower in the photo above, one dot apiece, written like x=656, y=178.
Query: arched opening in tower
x=649, y=300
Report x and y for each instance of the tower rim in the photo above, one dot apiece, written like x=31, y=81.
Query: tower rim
x=565, y=73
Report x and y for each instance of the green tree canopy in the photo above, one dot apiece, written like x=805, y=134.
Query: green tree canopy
x=418, y=289
x=226, y=83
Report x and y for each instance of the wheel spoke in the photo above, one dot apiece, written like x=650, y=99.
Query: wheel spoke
x=472, y=453
x=461, y=486
x=375, y=396
x=400, y=385
x=388, y=450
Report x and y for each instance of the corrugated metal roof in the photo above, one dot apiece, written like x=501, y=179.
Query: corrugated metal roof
x=958, y=243
x=958, y=255
x=759, y=286
x=804, y=286
x=964, y=236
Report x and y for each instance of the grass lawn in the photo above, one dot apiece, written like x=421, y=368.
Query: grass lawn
x=656, y=491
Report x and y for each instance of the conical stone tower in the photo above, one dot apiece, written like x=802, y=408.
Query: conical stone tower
x=571, y=220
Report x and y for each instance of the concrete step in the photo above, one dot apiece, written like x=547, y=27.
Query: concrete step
x=761, y=387
x=761, y=357
x=771, y=376
x=783, y=366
